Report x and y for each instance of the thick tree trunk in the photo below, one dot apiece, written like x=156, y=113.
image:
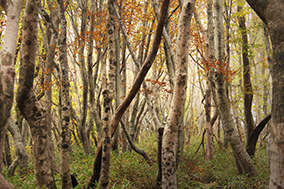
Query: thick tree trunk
x=5, y=184
x=211, y=58
x=229, y=128
x=7, y=72
x=239, y=151
x=271, y=12
x=28, y=104
x=169, y=179
x=118, y=85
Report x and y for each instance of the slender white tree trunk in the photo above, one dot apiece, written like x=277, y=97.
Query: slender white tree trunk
x=169, y=177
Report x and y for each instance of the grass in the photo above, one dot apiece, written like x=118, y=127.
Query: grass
x=130, y=170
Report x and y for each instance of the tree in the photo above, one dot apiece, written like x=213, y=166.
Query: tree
x=65, y=115
x=108, y=96
x=19, y=147
x=239, y=151
x=7, y=71
x=27, y=102
x=271, y=13
x=135, y=87
x=248, y=93
x=169, y=168
x=51, y=35
x=4, y=183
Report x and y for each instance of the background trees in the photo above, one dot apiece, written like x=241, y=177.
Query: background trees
x=82, y=65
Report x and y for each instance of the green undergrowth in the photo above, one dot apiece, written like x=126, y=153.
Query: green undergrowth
x=130, y=170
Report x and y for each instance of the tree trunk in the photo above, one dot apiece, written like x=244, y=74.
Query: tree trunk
x=105, y=167
x=7, y=71
x=28, y=104
x=2, y=144
x=248, y=93
x=117, y=85
x=91, y=79
x=208, y=127
x=255, y=134
x=239, y=151
x=271, y=12
x=65, y=103
x=81, y=58
x=19, y=147
x=52, y=38
x=108, y=96
x=159, y=157
x=135, y=87
x=123, y=94
x=169, y=179
x=5, y=184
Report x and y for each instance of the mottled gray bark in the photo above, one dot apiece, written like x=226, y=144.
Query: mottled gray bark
x=169, y=179
x=65, y=102
x=7, y=71
x=271, y=12
x=28, y=104
x=19, y=147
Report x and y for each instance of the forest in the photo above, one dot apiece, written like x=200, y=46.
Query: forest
x=141, y=94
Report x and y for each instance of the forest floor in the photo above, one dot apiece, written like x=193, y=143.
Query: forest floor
x=130, y=170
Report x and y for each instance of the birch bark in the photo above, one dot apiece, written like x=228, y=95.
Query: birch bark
x=7, y=71
x=169, y=179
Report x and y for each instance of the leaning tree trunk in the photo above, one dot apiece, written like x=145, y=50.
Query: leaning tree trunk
x=169, y=179
x=4, y=183
x=28, y=104
x=7, y=71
